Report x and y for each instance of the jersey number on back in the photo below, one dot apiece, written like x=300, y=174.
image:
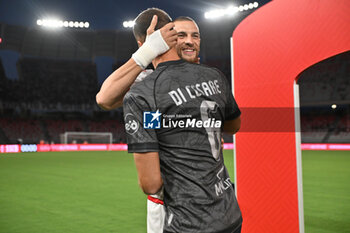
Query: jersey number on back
x=208, y=110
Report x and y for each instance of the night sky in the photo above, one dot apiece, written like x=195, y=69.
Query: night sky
x=101, y=14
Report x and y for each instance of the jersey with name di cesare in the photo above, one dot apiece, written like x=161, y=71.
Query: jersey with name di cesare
x=179, y=111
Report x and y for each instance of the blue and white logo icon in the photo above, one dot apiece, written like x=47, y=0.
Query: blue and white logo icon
x=151, y=120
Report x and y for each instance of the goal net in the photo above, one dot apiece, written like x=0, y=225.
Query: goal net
x=86, y=137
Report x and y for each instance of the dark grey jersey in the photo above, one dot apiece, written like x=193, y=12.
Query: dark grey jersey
x=179, y=111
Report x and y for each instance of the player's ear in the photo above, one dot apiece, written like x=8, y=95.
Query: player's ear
x=139, y=43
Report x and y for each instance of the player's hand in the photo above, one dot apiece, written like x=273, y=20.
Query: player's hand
x=168, y=32
x=154, y=45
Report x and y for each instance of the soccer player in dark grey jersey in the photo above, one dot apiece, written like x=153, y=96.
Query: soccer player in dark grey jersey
x=193, y=104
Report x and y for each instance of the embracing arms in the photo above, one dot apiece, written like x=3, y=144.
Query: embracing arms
x=118, y=83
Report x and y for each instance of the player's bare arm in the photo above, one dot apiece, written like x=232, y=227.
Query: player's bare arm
x=148, y=171
x=118, y=83
x=232, y=126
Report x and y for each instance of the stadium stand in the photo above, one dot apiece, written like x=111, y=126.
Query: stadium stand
x=19, y=130
x=57, y=84
x=315, y=127
x=326, y=82
x=58, y=126
x=109, y=125
x=321, y=86
x=2, y=72
x=59, y=81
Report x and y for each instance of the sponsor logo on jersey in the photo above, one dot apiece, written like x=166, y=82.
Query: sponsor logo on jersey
x=223, y=184
x=131, y=124
x=151, y=120
x=192, y=123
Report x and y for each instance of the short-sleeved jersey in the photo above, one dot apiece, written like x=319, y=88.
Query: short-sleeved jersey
x=190, y=102
x=143, y=75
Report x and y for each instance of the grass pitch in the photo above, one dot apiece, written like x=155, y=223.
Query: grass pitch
x=92, y=192
x=326, y=187
x=70, y=192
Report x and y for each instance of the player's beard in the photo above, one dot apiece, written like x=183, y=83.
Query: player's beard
x=190, y=56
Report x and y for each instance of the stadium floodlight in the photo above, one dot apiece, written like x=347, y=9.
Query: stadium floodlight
x=128, y=24
x=50, y=23
x=229, y=11
x=334, y=106
x=54, y=23
x=215, y=14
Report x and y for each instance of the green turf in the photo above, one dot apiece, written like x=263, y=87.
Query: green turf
x=94, y=192
x=70, y=192
x=326, y=187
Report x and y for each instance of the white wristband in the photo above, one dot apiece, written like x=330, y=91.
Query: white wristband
x=153, y=47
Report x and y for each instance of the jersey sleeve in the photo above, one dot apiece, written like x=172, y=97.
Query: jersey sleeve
x=232, y=110
x=143, y=75
x=138, y=139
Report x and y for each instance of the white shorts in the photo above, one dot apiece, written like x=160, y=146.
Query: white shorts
x=155, y=214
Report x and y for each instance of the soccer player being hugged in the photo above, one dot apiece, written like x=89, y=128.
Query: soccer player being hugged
x=179, y=151
x=186, y=39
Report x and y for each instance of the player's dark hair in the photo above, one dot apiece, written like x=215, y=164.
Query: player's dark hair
x=143, y=20
x=184, y=18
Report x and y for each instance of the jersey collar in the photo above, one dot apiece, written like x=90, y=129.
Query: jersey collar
x=167, y=63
